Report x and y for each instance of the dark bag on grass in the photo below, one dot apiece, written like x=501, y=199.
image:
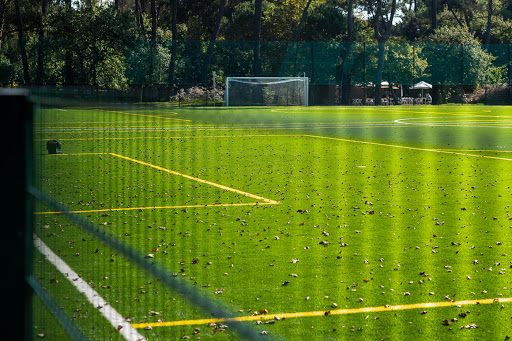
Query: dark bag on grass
x=53, y=147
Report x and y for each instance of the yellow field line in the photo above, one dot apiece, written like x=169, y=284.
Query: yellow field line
x=265, y=200
x=315, y=123
x=172, y=137
x=82, y=127
x=480, y=150
x=197, y=179
x=227, y=129
x=154, y=116
x=449, y=151
x=461, y=122
x=53, y=155
x=156, y=208
x=58, y=125
x=411, y=148
x=323, y=313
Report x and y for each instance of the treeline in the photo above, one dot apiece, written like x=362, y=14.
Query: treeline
x=174, y=43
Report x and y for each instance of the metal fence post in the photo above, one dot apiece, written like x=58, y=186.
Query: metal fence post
x=364, y=73
x=18, y=110
x=509, y=75
x=462, y=74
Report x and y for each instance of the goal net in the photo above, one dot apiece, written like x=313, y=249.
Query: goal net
x=255, y=91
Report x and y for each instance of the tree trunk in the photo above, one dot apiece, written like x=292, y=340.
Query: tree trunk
x=140, y=18
x=345, y=79
x=378, y=75
x=3, y=9
x=257, y=95
x=382, y=37
x=433, y=27
x=257, y=69
x=467, y=18
x=40, y=53
x=489, y=22
x=26, y=74
x=434, y=15
x=295, y=38
x=69, y=78
x=211, y=45
x=153, y=20
x=152, y=50
x=174, y=31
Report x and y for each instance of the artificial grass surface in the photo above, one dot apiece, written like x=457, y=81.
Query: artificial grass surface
x=373, y=211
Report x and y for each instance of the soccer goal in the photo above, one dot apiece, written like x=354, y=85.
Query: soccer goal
x=254, y=91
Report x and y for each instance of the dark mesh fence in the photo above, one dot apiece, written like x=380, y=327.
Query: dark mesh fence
x=94, y=217
x=338, y=72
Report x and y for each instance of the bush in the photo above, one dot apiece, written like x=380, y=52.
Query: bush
x=7, y=71
x=197, y=93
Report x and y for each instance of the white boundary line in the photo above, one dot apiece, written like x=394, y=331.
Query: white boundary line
x=454, y=124
x=96, y=300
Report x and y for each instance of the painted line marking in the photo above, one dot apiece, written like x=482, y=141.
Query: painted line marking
x=265, y=200
x=411, y=148
x=324, y=312
x=157, y=208
x=198, y=179
x=115, y=319
x=400, y=123
x=466, y=124
x=63, y=123
x=55, y=155
x=153, y=116
x=480, y=150
x=171, y=137
x=202, y=128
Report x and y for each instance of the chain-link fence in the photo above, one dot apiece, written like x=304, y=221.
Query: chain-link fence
x=339, y=73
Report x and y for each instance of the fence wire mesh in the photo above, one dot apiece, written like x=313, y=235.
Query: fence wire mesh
x=144, y=70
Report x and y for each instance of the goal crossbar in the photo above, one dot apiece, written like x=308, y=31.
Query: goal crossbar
x=267, y=91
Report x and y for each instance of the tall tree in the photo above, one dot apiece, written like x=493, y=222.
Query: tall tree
x=258, y=11
x=68, y=73
x=345, y=81
x=21, y=38
x=295, y=37
x=489, y=22
x=174, y=32
x=3, y=11
x=433, y=14
x=433, y=27
x=40, y=53
x=211, y=45
x=152, y=48
x=139, y=11
x=154, y=20
x=382, y=29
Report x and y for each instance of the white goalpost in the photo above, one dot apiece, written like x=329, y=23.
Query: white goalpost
x=266, y=91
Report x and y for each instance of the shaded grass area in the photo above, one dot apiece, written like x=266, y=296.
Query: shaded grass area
x=361, y=221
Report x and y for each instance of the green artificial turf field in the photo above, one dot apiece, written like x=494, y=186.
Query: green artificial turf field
x=321, y=223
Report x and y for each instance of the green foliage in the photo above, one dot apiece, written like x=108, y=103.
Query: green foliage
x=405, y=64
x=95, y=45
x=94, y=41
x=145, y=65
x=239, y=26
x=456, y=57
x=325, y=23
x=7, y=71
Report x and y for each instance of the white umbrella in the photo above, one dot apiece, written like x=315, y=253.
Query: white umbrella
x=421, y=85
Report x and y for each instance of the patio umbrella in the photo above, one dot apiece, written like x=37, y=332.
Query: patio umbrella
x=421, y=85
